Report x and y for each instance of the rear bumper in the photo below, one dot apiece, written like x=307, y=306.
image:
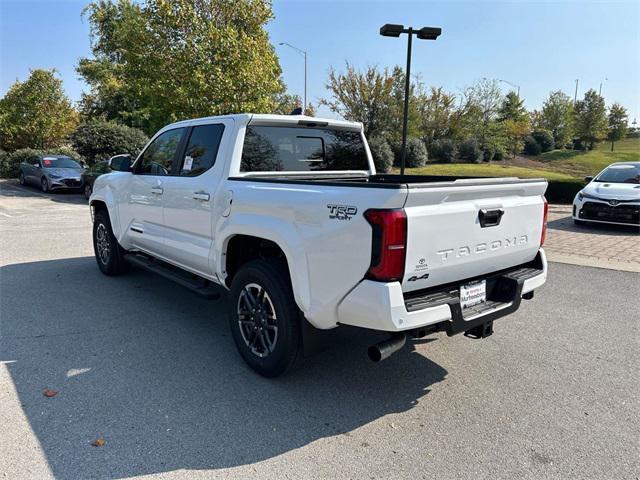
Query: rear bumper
x=383, y=306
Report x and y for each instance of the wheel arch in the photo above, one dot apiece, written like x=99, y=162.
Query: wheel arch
x=240, y=247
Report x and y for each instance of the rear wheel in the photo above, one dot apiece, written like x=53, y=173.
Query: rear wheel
x=44, y=184
x=87, y=191
x=264, y=318
x=109, y=254
x=21, y=178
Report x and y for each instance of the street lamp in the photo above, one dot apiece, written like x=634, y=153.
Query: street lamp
x=425, y=33
x=600, y=91
x=513, y=85
x=303, y=53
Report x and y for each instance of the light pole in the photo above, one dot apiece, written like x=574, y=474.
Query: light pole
x=424, y=33
x=513, y=85
x=600, y=91
x=575, y=95
x=303, y=53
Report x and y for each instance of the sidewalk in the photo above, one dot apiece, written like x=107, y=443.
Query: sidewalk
x=604, y=246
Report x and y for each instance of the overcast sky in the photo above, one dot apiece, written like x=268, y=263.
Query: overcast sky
x=541, y=46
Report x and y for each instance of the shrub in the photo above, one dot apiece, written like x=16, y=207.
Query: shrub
x=531, y=147
x=544, y=139
x=578, y=144
x=563, y=191
x=100, y=140
x=443, y=150
x=416, y=153
x=500, y=154
x=381, y=153
x=488, y=153
x=10, y=163
x=470, y=151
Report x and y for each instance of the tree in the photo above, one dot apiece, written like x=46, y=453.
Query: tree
x=618, y=123
x=365, y=97
x=285, y=103
x=480, y=113
x=435, y=110
x=512, y=108
x=98, y=140
x=531, y=147
x=515, y=121
x=591, y=118
x=36, y=113
x=162, y=60
x=557, y=117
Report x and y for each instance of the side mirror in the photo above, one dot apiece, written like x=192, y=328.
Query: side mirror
x=120, y=163
x=37, y=165
x=588, y=179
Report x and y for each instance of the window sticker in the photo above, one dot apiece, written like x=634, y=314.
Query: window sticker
x=188, y=163
x=47, y=162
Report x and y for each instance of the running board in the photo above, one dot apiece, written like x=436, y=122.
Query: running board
x=196, y=284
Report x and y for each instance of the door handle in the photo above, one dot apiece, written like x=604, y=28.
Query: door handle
x=157, y=190
x=490, y=218
x=204, y=196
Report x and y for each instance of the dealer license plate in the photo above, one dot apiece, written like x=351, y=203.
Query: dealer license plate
x=473, y=294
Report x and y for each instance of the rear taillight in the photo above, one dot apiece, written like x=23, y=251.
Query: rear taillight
x=389, y=241
x=544, y=222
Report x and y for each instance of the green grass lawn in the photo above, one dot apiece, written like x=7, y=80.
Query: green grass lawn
x=562, y=165
x=485, y=170
x=580, y=164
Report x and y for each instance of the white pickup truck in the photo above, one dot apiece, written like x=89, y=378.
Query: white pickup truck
x=289, y=215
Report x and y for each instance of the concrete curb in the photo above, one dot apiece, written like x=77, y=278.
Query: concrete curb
x=592, y=262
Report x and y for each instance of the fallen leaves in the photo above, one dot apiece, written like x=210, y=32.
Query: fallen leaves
x=49, y=393
x=99, y=442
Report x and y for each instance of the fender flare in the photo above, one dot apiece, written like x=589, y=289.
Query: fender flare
x=105, y=195
x=277, y=231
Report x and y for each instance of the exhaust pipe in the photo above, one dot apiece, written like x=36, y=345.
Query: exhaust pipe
x=386, y=348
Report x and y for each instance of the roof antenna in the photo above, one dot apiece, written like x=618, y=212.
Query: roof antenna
x=296, y=111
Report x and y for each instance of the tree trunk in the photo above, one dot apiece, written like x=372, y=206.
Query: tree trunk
x=612, y=145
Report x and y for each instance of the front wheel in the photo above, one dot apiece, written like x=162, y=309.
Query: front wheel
x=109, y=254
x=44, y=184
x=21, y=178
x=87, y=191
x=264, y=318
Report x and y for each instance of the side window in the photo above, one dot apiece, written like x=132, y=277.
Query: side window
x=202, y=149
x=159, y=155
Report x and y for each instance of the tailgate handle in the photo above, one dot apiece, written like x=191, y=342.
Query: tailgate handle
x=490, y=218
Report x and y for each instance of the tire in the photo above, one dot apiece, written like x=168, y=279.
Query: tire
x=276, y=352
x=87, y=191
x=21, y=178
x=108, y=252
x=44, y=184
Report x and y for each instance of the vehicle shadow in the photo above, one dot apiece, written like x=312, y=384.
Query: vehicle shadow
x=566, y=224
x=12, y=189
x=151, y=368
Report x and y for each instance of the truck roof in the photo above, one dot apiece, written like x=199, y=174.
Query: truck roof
x=262, y=118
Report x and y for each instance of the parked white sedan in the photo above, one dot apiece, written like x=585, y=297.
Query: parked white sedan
x=613, y=196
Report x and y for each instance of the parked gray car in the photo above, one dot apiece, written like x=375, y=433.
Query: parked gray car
x=52, y=172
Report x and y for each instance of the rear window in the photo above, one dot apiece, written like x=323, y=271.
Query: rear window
x=299, y=149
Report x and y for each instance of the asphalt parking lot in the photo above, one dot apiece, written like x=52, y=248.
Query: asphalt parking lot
x=151, y=369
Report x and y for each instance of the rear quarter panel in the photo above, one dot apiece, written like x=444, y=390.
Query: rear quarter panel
x=327, y=256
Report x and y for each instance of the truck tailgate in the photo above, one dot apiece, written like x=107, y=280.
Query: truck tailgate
x=467, y=228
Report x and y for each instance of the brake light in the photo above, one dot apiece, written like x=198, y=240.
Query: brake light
x=544, y=221
x=388, y=246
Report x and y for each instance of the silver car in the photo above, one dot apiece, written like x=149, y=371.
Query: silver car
x=52, y=172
